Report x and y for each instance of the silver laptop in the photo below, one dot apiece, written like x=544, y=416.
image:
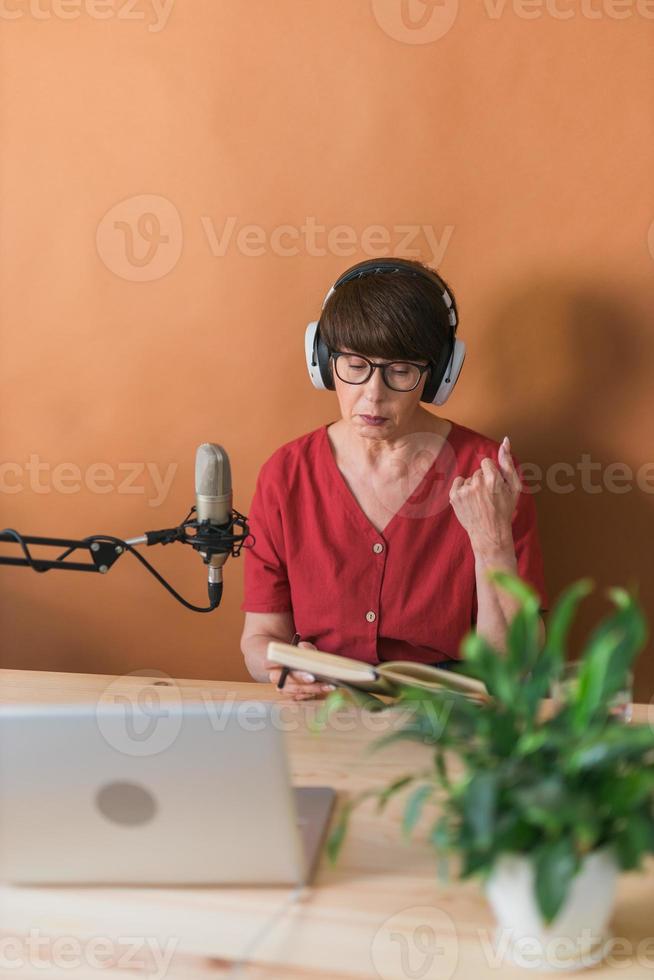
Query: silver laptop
x=202, y=795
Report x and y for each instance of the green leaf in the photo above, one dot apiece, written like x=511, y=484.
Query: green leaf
x=560, y=619
x=615, y=742
x=479, y=656
x=542, y=804
x=609, y=654
x=523, y=642
x=621, y=598
x=410, y=733
x=523, y=635
x=475, y=861
x=338, y=832
x=441, y=768
x=362, y=699
x=556, y=864
x=634, y=839
x=339, y=829
x=587, y=832
x=549, y=662
x=390, y=791
x=479, y=806
x=513, y=834
x=437, y=718
x=337, y=699
x=442, y=839
x=414, y=807
x=441, y=835
x=532, y=742
x=503, y=734
x=592, y=681
x=529, y=598
x=490, y=666
x=620, y=793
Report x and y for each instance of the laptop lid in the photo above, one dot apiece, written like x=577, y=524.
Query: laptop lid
x=86, y=795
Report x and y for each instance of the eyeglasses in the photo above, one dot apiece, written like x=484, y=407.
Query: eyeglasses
x=355, y=369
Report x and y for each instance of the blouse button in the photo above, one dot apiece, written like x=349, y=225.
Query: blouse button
x=370, y=616
x=378, y=547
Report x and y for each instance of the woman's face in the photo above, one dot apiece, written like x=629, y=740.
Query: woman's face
x=374, y=410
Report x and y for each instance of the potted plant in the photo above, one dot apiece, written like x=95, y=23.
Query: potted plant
x=545, y=806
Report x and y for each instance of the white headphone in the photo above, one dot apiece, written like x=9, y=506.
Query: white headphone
x=444, y=374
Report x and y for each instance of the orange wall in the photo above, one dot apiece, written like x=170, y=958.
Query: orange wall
x=519, y=137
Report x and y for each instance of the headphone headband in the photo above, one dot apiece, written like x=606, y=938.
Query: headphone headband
x=372, y=267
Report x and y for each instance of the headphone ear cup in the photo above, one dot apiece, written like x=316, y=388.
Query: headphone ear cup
x=441, y=384
x=317, y=358
x=325, y=362
x=431, y=387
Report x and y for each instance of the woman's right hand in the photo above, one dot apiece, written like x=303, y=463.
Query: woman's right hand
x=300, y=685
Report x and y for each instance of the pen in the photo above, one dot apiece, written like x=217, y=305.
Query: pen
x=286, y=670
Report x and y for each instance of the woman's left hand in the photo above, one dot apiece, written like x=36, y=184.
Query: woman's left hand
x=485, y=502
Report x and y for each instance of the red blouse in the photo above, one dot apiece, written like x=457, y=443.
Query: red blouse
x=406, y=594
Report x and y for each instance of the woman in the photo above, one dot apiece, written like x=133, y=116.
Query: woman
x=374, y=534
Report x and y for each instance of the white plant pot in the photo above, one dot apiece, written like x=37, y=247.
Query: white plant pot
x=578, y=937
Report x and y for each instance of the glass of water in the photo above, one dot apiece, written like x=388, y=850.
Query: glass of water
x=621, y=703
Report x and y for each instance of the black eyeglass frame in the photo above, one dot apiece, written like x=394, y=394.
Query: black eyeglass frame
x=335, y=354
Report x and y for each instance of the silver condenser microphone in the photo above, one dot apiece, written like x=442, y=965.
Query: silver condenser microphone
x=213, y=502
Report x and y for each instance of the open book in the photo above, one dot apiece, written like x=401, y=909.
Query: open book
x=384, y=678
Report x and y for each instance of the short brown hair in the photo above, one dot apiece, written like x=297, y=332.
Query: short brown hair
x=394, y=315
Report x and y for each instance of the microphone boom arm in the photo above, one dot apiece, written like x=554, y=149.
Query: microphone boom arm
x=103, y=554
x=104, y=550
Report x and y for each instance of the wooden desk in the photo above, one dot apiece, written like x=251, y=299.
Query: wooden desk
x=370, y=916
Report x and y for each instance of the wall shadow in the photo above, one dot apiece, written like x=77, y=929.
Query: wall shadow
x=565, y=365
